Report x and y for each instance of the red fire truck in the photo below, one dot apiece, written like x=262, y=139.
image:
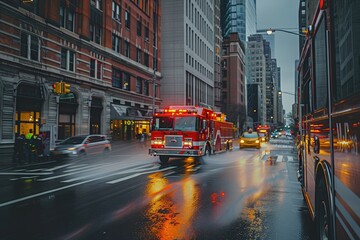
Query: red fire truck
x=264, y=132
x=189, y=131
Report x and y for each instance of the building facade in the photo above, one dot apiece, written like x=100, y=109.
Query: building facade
x=233, y=80
x=106, y=50
x=187, y=32
x=256, y=72
x=238, y=16
x=217, y=52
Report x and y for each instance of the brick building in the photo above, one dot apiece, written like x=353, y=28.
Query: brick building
x=106, y=50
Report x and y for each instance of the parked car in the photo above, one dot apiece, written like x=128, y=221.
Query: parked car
x=81, y=146
x=250, y=139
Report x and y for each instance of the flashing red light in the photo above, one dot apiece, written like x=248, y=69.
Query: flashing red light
x=322, y=4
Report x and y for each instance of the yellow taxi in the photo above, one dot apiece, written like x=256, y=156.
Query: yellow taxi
x=250, y=139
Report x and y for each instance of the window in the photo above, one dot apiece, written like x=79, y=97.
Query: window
x=97, y=4
x=146, y=59
x=67, y=18
x=139, y=27
x=146, y=88
x=139, y=82
x=30, y=47
x=67, y=59
x=95, y=25
x=126, y=83
x=138, y=55
x=126, y=49
x=116, y=11
x=116, y=78
x=127, y=19
x=146, y=33
x=320, y=67
x=116, y=43
x=95, y=69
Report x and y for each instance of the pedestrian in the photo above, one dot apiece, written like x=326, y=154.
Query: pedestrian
x=34, y=148
x=39, y=147
x=28, y=146
x=19, y=149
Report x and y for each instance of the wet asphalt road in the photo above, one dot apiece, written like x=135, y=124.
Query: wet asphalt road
x=242, y=194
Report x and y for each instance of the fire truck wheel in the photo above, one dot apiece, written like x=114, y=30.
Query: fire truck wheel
x=164, y=159
x=207, y=151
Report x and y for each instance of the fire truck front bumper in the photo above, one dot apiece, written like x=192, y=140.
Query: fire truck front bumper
x=175, y=152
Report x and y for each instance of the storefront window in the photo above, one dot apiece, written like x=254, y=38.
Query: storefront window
x=26, y=121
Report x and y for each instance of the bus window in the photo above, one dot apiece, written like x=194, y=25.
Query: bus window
x=320, y=83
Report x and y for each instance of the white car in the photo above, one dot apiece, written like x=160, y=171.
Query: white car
x=82, y=145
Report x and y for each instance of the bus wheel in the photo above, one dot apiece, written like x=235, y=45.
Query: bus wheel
x=322, y=214
x=164, y=159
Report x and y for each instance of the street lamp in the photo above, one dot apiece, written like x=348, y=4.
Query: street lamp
x=281, y=92
x=272, y=30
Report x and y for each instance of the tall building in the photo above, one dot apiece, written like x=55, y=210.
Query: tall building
x=233, y=79
x=105, y=50
x=254, y=105
x=217, y=52
x=278, y=106
x=302, y=23
x=187, y=55
x=238, y=16
x=270, y=94
x=256, y=72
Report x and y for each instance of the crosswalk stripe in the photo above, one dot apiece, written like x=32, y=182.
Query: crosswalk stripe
x=290, y=159
x=279, y=158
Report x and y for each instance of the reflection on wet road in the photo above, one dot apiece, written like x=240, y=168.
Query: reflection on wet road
x=243, y=194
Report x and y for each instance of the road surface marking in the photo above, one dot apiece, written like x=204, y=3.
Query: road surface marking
x=138, y=174
x=137, y=169
x=50, y=191
x=279, y=158
x=25, y=173
x=290, y=159
x=58, y=167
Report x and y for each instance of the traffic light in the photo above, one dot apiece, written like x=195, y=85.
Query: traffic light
x=65, y=88
x=57, y=88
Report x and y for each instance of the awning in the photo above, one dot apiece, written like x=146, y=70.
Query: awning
x=118, y=112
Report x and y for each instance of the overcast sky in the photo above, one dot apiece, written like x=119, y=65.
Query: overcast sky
x=282, y=14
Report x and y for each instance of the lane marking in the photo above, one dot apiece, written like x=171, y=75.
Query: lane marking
x=81, y=168
x=138, y=174
x=114, y=174
x=58, y=167
x=25, y=173
x=47, y=192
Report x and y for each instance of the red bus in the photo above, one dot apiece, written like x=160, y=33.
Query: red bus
x=329, y=119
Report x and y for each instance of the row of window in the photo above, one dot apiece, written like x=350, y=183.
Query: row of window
x=122, y=80
x=125, y=49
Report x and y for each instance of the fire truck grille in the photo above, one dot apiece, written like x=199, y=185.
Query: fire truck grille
x=173, y=141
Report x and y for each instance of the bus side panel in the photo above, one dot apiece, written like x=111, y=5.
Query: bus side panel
x=309, y=185
x=347, y=172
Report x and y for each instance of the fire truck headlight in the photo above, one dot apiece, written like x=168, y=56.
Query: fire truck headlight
x=257, y=141
x=157, y=141
x=242, y=141
x=187, y=143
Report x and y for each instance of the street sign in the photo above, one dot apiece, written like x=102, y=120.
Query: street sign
x=67, y=96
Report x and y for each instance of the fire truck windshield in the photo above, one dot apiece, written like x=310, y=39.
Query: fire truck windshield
x=183, y=123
